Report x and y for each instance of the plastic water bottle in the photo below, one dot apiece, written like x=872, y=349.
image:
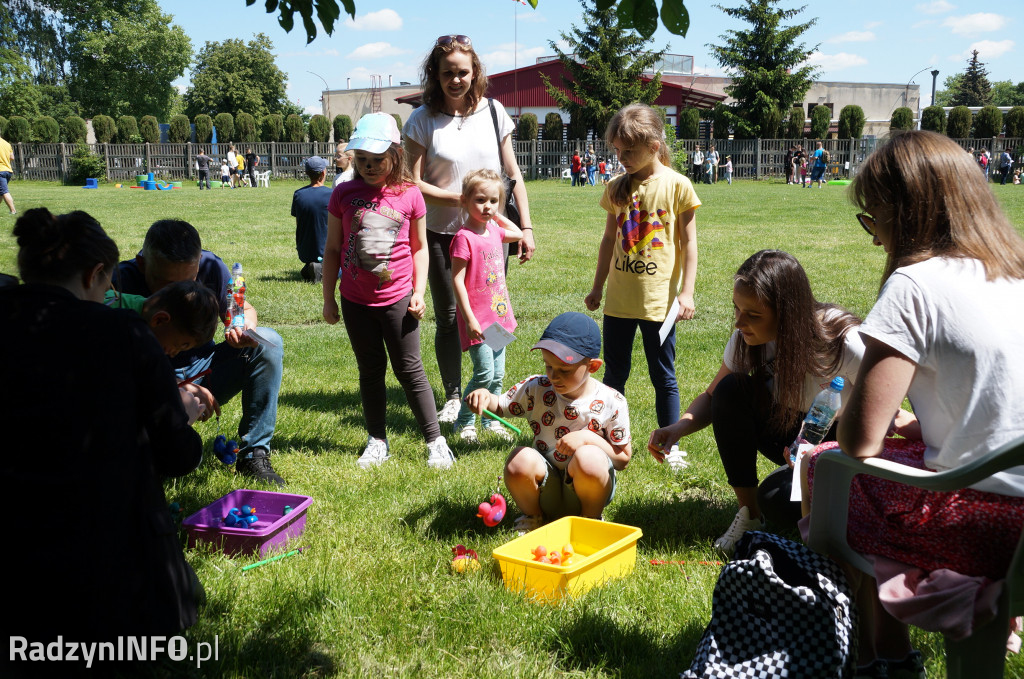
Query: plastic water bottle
x=820, y=417
x=236, y=298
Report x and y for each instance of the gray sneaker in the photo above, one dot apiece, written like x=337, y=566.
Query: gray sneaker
x=497, y=429
x=256, y=465
x=526, y=523
x=375, y=453
x=439, y=455
x=726, y=545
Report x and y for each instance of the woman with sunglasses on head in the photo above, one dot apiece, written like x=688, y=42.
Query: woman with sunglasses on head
x=454, y=132
x=946, y=333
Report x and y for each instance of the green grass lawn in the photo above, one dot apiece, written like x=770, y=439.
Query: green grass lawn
x=373, y=594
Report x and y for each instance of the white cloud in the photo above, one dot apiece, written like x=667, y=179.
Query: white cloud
x=853, y=36
x=989, y=49
x=313, y=110
x=381, y=20
x=973, y=24
x=873, y=24
x=507, y=56
x=836, y=62
x=936, y=7
x=922, y=24
x=308, y=54
x=375, y=50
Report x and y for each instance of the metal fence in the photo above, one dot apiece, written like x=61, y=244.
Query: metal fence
x=751, y=158
x=51, y=162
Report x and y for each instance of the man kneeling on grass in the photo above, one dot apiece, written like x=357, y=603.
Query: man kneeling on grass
x=580, y=428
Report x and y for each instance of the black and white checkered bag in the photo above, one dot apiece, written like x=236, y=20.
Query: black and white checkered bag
x=779, y=610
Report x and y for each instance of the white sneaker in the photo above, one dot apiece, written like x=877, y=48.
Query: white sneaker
x=726, y=544
x=375, y=453
x=439, y=454
x=496, y=428
x=450, y=411
x=525, y=523
x=467, y=434
x=676, y=459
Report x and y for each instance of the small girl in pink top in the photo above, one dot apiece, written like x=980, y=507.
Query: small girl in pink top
x=478, y=278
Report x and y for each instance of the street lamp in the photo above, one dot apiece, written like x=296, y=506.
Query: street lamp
x=327, y=89
x=906, y=93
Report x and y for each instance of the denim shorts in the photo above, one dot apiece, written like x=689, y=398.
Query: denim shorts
x=4, y=178
x=558, y=495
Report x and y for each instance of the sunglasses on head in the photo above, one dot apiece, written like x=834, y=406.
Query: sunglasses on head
x=867, y=222
x=446, y=40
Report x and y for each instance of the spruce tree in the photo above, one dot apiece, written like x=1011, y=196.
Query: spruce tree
x=604, y=68
x=765, y=64
x=975, y=89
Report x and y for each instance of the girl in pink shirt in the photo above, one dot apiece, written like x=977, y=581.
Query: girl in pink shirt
x=376, y=258
x=478, y=278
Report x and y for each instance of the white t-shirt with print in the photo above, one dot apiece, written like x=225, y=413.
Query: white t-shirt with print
x=965, y=335
x=455, y=146
x=551, y=415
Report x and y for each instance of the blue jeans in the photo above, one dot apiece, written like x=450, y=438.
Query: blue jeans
x=661, y=362
x=488, y=373
x=253, y=371
x=592, y=174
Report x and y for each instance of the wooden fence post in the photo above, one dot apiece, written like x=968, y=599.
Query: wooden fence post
x=273, y=159
x=106, y=158
x=64, y=163
x=757, y=159
x=188, y=160
x=149, y=163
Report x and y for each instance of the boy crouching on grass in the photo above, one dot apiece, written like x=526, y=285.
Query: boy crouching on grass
x=182, y=315
x=580, y=428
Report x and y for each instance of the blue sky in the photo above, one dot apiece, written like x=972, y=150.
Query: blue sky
x=864, y=41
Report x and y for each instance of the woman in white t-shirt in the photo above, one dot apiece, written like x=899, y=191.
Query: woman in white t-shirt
x=452, y=133
x=946, y=333
x=786, y=348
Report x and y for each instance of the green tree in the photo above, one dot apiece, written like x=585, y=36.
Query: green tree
x=1005, y=93
x=821, y=120
x=768, y=66
x=45, y=130
x=342, y=128
x=319, y=129
x=236, y=76
x=975, y=89
x=294, y=128
x=245, y=128
x=958, y=123
x=933, y=118
x=398, y=120
x=528, y=127
x=1014, y=122
x=951, y=85
x=21, y=98
x=73, y=130
x=19, y=129
x=104, y=128
x=641, y=15
x=84, y=165
x=554, y=128
x=3, y=126
x=204, y=128
x=988, y=122
x=125, y=63
x=796, y=123
x=902, y=119
x=689, y=123
x=721, y=120
x=149, y=128
x=604, y=66
x=851, y=122
x=225, y=124
x=272, y=127
x=180, y=130
x=128, y=130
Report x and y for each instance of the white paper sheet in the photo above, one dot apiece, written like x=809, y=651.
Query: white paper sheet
x=497, y=337
x=670, y=320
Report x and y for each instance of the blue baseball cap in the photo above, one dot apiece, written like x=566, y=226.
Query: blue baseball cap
x=315, y=164
x=572, y=337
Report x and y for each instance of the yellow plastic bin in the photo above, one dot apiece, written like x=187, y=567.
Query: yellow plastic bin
x=604, y=551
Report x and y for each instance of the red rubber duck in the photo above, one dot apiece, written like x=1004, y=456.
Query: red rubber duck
x=494, y=511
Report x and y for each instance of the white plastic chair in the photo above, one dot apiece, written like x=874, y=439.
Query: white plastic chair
x=263, y=178
x=981, y=655
x=245, y=180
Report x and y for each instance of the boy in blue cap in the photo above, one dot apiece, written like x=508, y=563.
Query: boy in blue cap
x=580, y=428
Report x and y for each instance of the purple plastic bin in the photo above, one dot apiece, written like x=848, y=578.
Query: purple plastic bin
x=271, y=532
